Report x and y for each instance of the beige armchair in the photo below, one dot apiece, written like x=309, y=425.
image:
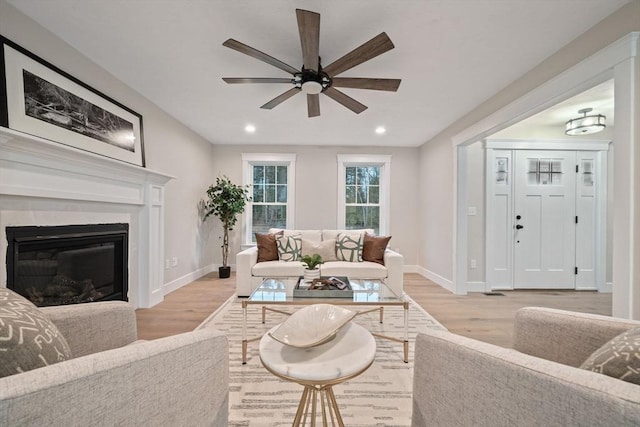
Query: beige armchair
x=178, y=380
x=463, y=382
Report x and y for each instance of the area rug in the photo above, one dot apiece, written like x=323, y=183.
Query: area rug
x=381, y=396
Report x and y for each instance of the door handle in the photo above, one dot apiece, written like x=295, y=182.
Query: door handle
x=519, y=227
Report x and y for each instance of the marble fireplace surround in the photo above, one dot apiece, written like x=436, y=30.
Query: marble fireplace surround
x=47, y=183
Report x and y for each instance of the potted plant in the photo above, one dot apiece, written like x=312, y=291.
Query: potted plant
x=311, y=263
x=226, y=200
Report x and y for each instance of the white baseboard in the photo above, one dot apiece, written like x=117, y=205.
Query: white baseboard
x=190, y=277
x=411, y=269
x=436, y=278
x=607, y=288
x=475, y=287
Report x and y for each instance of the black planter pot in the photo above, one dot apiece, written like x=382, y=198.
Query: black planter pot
x=224, y=272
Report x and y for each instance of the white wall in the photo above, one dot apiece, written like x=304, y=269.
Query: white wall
x=437, y=155
x=316, y=188
x=436, y=217
x=170, y=147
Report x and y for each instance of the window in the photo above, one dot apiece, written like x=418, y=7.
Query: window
x=271, y=177
x=363, y=192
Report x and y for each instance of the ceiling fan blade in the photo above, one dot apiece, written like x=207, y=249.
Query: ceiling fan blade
x=309, y=28
x=365, y=83
x=345, y=100
x=256, y=80
x=255, y=53
x=313, y=104
x=280, y=98
x=369, y=50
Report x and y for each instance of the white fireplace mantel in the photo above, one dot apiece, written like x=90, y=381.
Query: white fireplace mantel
x=36, y=173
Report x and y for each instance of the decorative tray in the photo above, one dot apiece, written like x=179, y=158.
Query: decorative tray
x=312, y=325
x=324, y=287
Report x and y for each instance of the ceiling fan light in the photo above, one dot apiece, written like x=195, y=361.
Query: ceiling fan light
x=311, y=87
x=586, y=124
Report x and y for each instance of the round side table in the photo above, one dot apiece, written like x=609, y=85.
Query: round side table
x=319, y=368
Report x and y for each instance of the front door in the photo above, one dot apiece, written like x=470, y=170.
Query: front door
x=544, y=234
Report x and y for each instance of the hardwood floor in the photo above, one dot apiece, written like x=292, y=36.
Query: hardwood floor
x=184, y=309
x=490, y=318
x=476, y=315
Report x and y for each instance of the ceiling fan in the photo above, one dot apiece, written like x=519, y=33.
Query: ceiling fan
x=313, y=78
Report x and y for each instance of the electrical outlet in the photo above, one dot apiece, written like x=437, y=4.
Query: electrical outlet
x=167, y=264
x=174, y=261
x=471, y=211
x=474, y=264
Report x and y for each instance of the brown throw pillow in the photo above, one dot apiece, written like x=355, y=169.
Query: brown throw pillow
x=374, y=247
x=267, y=247
x=618, y=358
x=29, y=339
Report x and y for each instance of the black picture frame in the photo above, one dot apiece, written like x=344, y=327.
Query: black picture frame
x=40, y=99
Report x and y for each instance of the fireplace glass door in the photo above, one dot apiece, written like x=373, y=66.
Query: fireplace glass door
x=68, y=264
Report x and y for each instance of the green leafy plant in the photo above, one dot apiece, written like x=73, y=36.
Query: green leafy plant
x=226, y=201
x=312, y=261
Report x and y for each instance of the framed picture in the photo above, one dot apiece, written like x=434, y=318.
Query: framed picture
x=40, y=99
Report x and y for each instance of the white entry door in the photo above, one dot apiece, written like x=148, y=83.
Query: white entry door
x=545, y=220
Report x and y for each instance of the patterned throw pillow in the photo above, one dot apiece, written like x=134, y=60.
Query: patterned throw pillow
x=349, y=246
x=29, y=339
x=373, y=248
x=267, y=247
x=289, y=247
x=618, y=358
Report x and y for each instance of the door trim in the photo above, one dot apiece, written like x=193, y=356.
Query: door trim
x=615, y=60
x=599, y=146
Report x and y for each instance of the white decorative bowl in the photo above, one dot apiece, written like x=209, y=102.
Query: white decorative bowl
x=312, y=325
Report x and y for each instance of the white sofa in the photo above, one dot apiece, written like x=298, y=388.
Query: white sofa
x=249, y=272
x=459, y=381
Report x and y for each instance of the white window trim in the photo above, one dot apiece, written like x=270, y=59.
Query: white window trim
x=268, y=159
x=382, y=160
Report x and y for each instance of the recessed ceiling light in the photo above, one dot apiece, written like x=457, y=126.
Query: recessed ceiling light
x=380, y=130
x=250, y=128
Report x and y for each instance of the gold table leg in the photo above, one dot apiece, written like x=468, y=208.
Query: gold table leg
x=244, y=332
x=308, y=407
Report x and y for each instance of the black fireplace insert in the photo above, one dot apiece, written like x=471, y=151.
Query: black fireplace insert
x=69, y=264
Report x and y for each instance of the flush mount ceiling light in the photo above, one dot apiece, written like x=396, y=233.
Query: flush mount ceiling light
x=586, y=124
x=250, y=128
x=380, y=130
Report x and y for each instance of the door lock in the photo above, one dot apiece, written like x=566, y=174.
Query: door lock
x=519, y=227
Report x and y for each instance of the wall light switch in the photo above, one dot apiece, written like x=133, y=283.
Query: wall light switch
x=174, y=261
x=471, y=210
x=474, y=264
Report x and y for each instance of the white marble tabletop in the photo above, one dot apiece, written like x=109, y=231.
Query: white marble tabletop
x=350, y=352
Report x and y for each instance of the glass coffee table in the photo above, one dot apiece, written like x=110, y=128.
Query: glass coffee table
x=366, y=293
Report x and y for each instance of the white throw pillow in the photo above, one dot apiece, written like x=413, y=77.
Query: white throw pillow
x=349, y=246
x=326, y=249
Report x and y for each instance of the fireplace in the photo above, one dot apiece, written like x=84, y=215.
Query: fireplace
x=70, y=264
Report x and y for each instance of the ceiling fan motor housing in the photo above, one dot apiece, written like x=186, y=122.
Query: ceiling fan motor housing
x=311, y=82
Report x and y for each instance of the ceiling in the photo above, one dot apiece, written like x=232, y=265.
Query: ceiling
x=550, y=124
x=450, y=54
